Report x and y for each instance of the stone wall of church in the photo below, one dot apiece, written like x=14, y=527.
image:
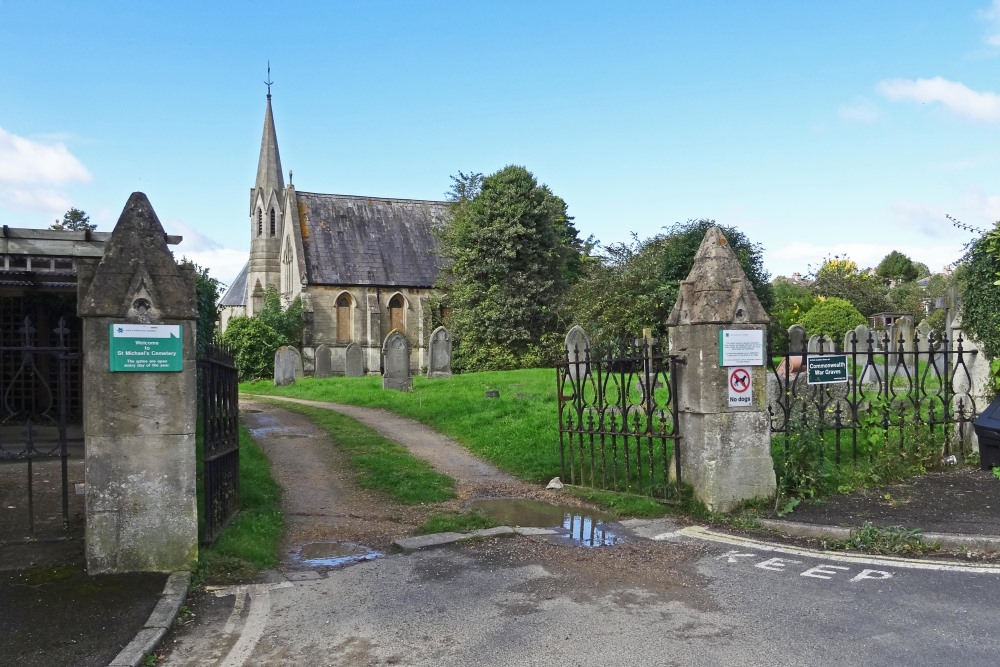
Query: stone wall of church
x=369, y=324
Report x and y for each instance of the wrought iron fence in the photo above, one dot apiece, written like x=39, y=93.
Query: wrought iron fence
x=219, y=392
x=878, y=397
x=34, y=407
x=618, y=427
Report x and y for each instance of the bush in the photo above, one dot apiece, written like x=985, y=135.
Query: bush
x=832, y=318
x=253, y=343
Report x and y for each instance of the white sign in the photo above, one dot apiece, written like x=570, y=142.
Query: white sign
x=740, y=387
x=741, y=347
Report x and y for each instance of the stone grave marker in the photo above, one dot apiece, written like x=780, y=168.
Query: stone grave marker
x=396, y=353
x=439, y=362
x=577, y=348
x=324, y=363
x=354, y=361
x=796, y=338
x=287, y=366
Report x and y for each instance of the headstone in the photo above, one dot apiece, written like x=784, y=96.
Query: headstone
x=863, y=334
x=902, y=328
x=354, y=361
x=577, y=350
x=819, y=345
x=924, y=341
x=439, y=354
x=324, y=363
x=396, y=355
x=287, y=366
x=796, y=338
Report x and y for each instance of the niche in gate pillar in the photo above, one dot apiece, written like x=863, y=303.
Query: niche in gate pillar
x=726, y=441
x=139, y=418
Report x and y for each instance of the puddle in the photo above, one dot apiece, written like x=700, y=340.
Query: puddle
x=276, y=432
x=332, y=554
x=584, y=527
x=251, y=411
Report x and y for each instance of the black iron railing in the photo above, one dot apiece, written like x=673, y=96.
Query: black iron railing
x=219, y=430
x=618, y=427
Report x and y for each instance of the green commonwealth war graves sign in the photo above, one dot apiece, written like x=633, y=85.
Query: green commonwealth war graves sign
x=145, y=348
x=828, y=369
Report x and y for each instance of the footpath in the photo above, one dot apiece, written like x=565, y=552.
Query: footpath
x=57, y=615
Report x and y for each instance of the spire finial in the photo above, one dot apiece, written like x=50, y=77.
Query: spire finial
x=268, y=83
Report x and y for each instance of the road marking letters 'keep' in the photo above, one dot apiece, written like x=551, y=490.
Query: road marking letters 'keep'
x=821, y=571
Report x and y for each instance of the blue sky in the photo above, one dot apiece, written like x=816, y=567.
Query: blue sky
x=815, y=128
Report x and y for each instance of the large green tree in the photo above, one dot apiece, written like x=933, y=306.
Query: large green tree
x=74, y=220
x=978, y=278
x=840, y=277
x=254, y=340
x=511, y=252
x=634, y=285
x=898, y=268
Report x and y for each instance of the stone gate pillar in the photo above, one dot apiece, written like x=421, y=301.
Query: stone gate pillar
x=139, y=400
x=725, y=433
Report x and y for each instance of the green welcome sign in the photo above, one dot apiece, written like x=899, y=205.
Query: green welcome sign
x=145, y=348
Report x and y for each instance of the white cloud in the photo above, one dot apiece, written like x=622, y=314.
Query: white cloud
x=924, y=218
x=956, y=97
x=980, y=208
x=222, y=263
x=31, y=173
x=861, y=111
x=991, y=17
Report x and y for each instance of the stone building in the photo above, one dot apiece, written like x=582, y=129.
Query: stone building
x=362, y=266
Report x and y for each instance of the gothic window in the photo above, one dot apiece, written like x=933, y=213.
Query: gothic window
x=286, y=269
x=396, y=313
x=343, y=318
x=260, y=222
x=272, y=222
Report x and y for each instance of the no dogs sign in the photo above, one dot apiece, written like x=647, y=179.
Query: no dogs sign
x=740, y=387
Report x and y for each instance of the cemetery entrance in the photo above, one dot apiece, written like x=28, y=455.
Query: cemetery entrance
x=40, y=413
x=618, y=426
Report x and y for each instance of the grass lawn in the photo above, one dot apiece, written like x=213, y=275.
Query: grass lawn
x=518, y=432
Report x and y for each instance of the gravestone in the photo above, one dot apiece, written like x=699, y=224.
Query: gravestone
x=396, y=356
x=287, y=366
x=139, y=416
x=796, y=338
x=863, y=334
x=820, y=345
x=577, y=350
x=924, y=342
x=323, y=361
x=354, y=361
x=903, y=328
x=439, y=354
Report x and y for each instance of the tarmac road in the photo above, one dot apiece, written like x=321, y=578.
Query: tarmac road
x=523, y=601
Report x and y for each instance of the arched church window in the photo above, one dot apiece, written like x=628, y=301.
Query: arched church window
x=260, y=222
x=272, y=222
x=343, y=318
x=396, y=310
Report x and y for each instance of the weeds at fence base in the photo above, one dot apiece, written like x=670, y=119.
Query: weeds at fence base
x=895, y=540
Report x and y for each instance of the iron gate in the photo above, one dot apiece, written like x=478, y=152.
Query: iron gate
x=618, y=426
x=218, y=387
x=34, y=412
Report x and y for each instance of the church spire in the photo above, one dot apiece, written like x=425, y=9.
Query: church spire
x=269, y=174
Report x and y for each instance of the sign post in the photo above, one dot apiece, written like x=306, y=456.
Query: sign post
x=145, y=348
x=826, y=369
x=740, y=387
x=741, y=347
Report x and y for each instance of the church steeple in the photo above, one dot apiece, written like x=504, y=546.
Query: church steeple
x=269, y=174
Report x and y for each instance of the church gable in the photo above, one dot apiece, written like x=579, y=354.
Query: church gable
x=351, y=240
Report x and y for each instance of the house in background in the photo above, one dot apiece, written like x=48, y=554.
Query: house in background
x=362, y=266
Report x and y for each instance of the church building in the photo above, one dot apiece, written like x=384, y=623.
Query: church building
x=362, y=266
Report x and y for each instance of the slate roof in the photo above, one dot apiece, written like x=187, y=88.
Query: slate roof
x=236, y=295
x=353, y=240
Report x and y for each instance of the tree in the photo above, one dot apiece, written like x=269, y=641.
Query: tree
x=841, y=278
x=978, y=277
x=897, y=268
x=908, y=297
x=74, y=220
x=634, y=285
x=207, y=292
x=791, y=303
x=832, y=318
x=511, y=253
x=254, y=340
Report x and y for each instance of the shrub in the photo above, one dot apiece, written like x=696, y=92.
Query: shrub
x=832, y=318
x=253, y=343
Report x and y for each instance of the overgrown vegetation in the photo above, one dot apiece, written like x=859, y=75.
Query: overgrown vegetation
x=250, y=542
x=831, y=318
x=254, y=340
x=895, y=540
x=455, y=522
